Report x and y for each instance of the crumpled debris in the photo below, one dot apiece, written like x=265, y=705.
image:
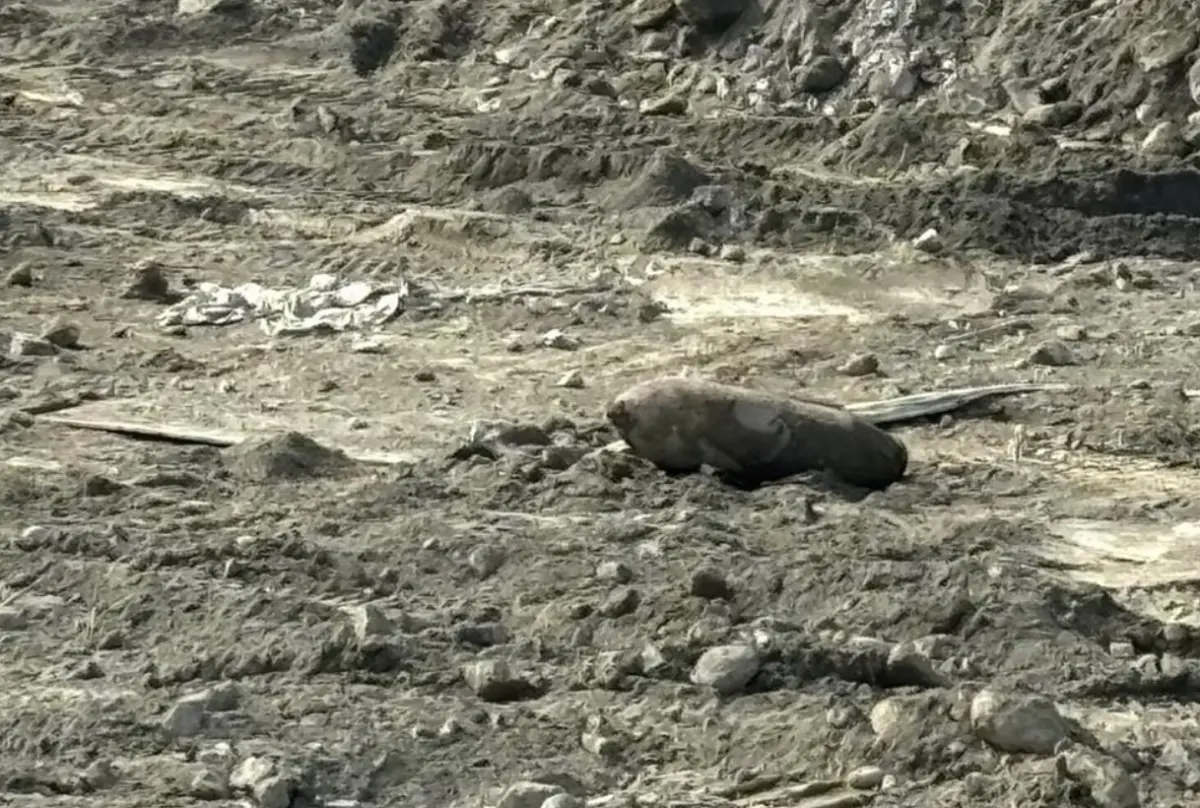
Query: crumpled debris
x=326, y=305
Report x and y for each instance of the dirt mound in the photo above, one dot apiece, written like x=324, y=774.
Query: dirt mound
x=667, y=179
x=285, y=456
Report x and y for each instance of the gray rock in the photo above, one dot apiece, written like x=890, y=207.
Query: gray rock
x=486, y=559
x=1164, y=49
x=209, y=785
x=898, y=717
x=822, y=74
x=906, y=666
x=369, y=621
x=1017, y=723
x=863, y=364
x=249, y=772
x=710, y=584
x=1110, y=785
x=711, y=13
x=1054, y=116
x=1165, y=139
x=1052, y=353
x=13, y=618
x=493, y=681
x=619, y=602
x=185, y=718
x=727, y=669
x=563, y=800
x=528, y=794
x=100, y=775
x=275, y=791
x=866, y=777
x=196, y=7
x=1194, y=82
x=615, y=571
x=62, y=334
x=19, y=276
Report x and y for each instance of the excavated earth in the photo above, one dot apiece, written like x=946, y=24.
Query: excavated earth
x=368, y=601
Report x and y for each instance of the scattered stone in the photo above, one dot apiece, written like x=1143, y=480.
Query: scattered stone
x=670, y=104
x=863, y=364
x=1017, y=723
x=1052, y=353
x=866, y=778
x=614, y=571
x=19, y=276
x=1122, y=649
x=734, y=253
x=943, y=352
x=1071, y=333
x=572, y=380
x=493, y=681
x=197, y=7
x=186, y=716
x=1166, y=139
x=906, y=666
x=486, y=560
x=27, y=345
x=275, y=791
x=727, y=669
x=1054, y=116
x=149, y=282
x=710, y=584
x=822, y=74
x=1110, y=785
x=1163, y=49
x=929, y=242
x=209, y=785
x=711, y=14
x=564, y=800
x=555, y=338
x=36, y=537
x=528, y=794
x=369, y=621
x=619, y=602
x=101, y=774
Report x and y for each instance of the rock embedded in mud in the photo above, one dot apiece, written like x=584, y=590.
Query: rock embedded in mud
x=908, y=667
x=563, y=800
x=19, y=276
x=1052, y=353
x=822, y=74
x=863, y=364
x=1054, y=116
x=493, y=681
x=727, y=669
x=711, y=14
x=369, y=621
x=682, y=424
x=710, y=584
x=528, y=794
x=866, y=778
x=486, y=560
x=1165, y=140
x=1017, y=723
x=1107, y=781
x=620, y=601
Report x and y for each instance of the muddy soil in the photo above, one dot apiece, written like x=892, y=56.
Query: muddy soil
x=420, y=579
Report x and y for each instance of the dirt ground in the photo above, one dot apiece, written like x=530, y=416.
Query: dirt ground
x=370, y=602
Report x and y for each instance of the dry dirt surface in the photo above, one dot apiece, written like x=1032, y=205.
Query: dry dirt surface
x=418, y=578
